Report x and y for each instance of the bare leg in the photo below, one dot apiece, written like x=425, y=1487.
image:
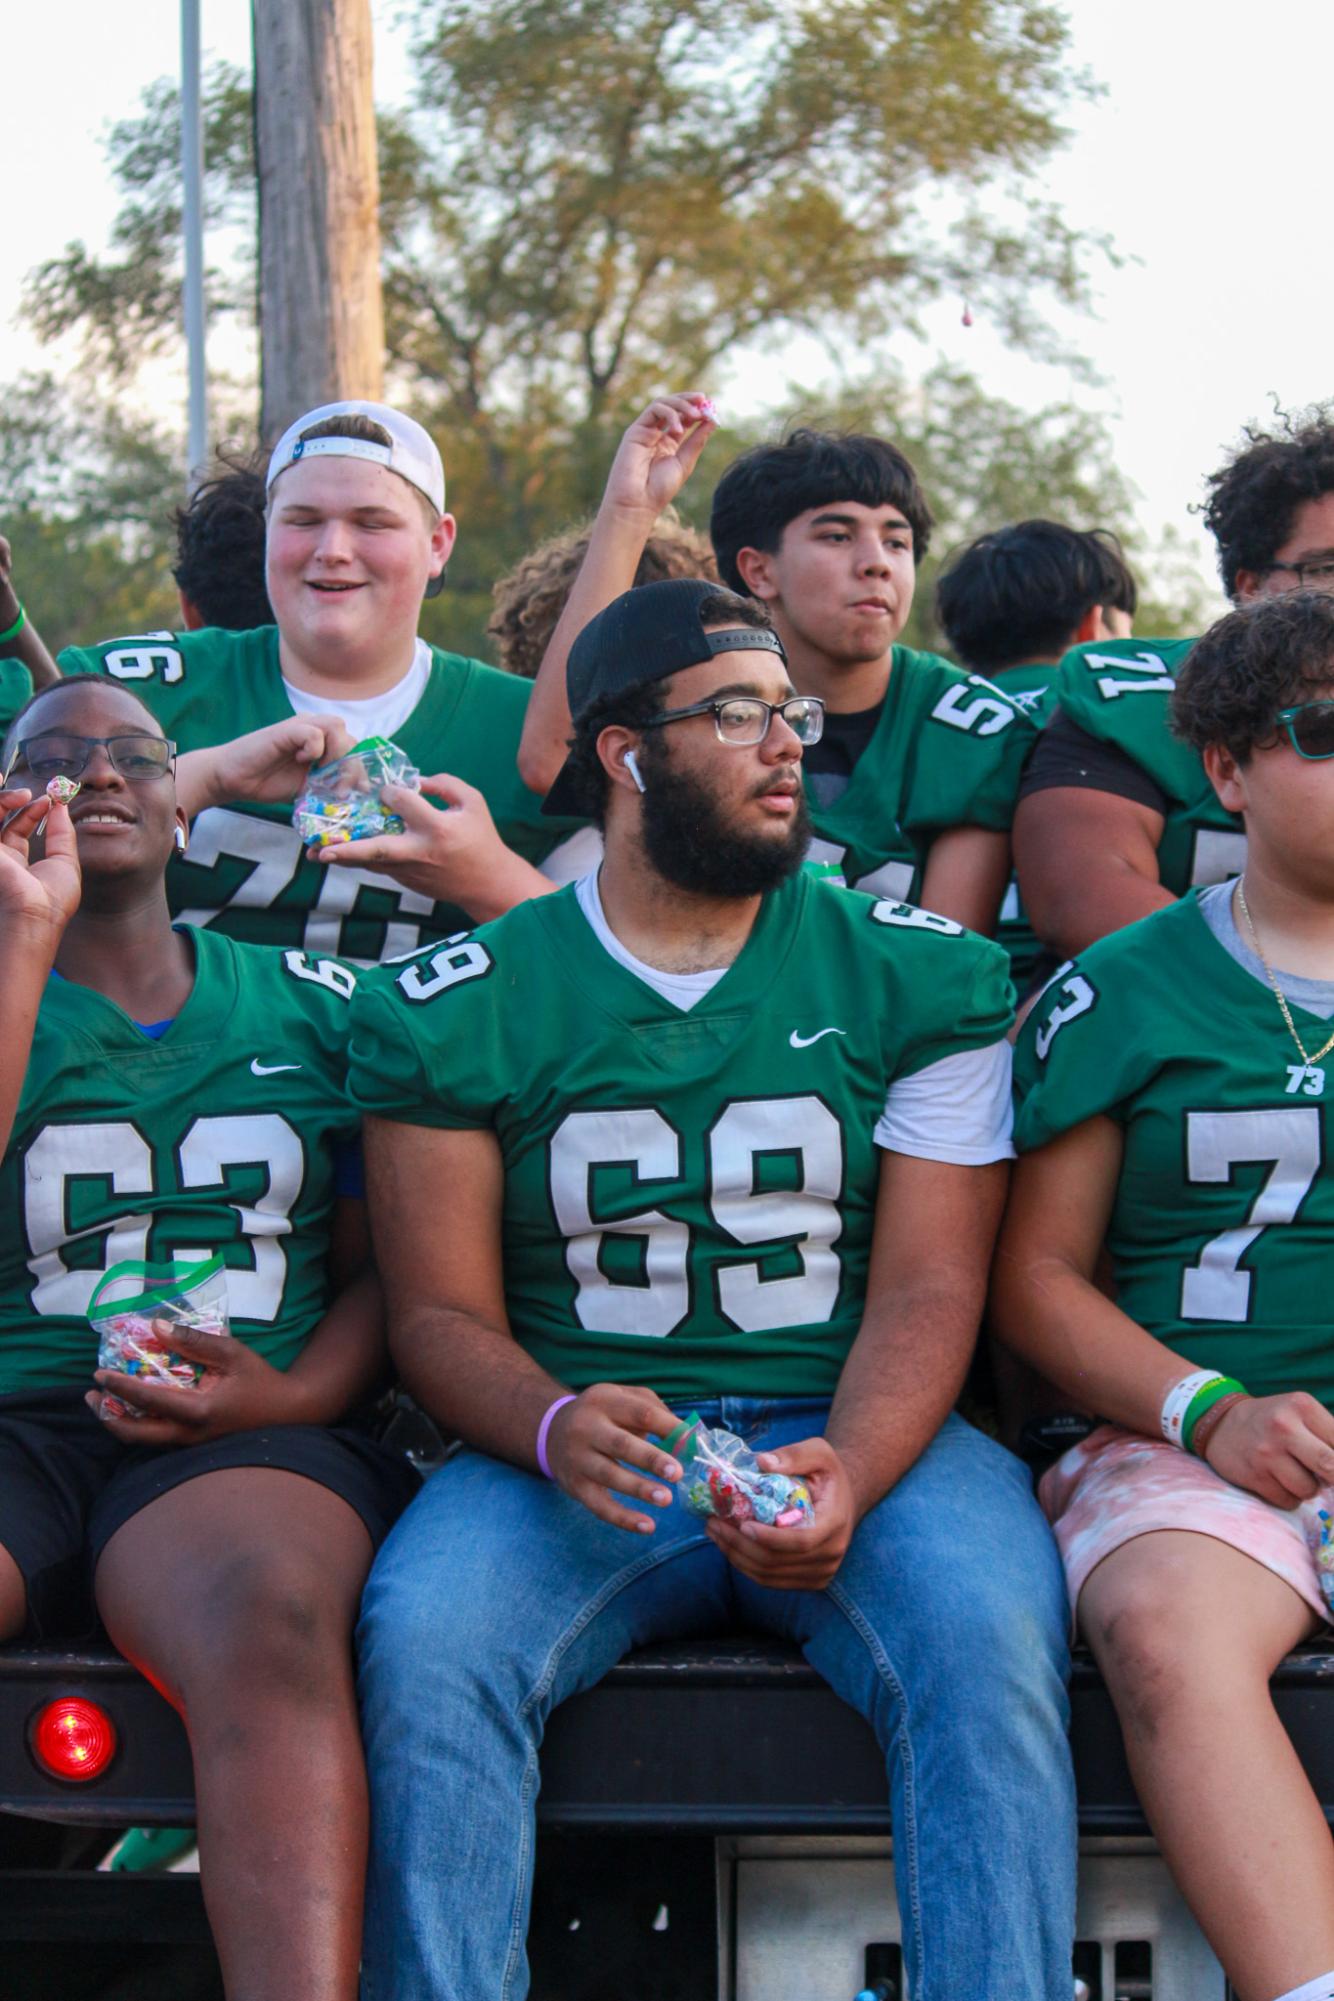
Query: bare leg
x=13, y=1597
x=1187, y=1632
x=236, y=1594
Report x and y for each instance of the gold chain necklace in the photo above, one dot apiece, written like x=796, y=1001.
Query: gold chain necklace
x=1279, y=996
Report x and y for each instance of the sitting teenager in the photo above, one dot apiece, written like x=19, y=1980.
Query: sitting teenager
x=357, y=534
x=716, y=1135
x=912, y=786
x=1011, y=603
x=167, y=1094
x=1174, y=1099
x=1116, y=815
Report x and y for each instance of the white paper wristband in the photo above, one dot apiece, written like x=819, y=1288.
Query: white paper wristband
x=1179, y=1399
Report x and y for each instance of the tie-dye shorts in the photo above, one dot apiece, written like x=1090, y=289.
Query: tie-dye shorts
x=1116, y=1485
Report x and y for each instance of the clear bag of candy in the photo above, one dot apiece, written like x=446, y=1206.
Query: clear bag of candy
x=341, y=801
x=135, y=1311
x=723, y=1477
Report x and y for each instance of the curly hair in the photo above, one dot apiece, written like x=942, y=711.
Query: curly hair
x=1268, y=655
x=530, y=598
x=1020, y=593
x=220, y=547
x=1253, y=498
x=766, y=488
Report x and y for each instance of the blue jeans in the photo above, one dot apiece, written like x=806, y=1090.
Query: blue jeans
x=497, y=1596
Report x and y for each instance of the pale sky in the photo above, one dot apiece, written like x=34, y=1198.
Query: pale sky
x=1206, y=161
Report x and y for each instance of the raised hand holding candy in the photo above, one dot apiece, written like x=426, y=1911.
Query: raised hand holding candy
x=659, y=452
x=44, y=891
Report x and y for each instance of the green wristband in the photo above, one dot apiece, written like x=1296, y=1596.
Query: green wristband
x=17, y=627
x=1205, y=1399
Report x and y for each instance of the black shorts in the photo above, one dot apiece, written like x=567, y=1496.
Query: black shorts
x=67, y=1485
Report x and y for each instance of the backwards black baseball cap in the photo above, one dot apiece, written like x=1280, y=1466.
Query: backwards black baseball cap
x=643, y=636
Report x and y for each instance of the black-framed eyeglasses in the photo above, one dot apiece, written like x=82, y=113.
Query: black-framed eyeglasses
x=1317, y=575
x=1309, y=728
x=744, y=719
x=60, y=754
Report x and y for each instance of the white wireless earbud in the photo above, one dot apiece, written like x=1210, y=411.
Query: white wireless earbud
x=632, y=766
x=180, y=840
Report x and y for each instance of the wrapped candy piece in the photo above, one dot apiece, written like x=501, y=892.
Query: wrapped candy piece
x=724, y=1478
x=341, y=801
x=63, y=788
x=1318, y=1522
x=135, y=1312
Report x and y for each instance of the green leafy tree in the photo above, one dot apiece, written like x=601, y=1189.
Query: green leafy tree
x=87, y=493
x=584, y=204
x=127, y=306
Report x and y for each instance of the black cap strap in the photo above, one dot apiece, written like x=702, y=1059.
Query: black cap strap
x=740, y=639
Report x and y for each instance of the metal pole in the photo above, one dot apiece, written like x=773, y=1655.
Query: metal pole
x=192, y=190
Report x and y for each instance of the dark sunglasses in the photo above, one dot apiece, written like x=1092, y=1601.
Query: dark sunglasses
x=1309, y=728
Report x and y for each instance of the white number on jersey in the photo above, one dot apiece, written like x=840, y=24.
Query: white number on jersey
x=807, y=1216
x=805, y=1220
x=1217, y=856
x=643, y=1141
x=1215, y=1288
x=340, y=980
x=144, y=655
x=1079, y=998
x=275, y=853
x=911, y=917
x=1149, y=668
x=985, y=714
x=116, y=1156
x=459, y=958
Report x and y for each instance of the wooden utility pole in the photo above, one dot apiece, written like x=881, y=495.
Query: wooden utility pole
x=320, y=307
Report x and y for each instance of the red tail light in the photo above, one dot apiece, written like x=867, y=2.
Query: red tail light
x=73, y=1738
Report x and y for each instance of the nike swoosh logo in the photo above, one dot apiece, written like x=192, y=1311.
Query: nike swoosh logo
x=805, y=1041
x=270, y=1069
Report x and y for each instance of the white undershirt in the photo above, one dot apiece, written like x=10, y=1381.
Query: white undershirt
x=681, y=989
x=956, y=1110
x=376, y=715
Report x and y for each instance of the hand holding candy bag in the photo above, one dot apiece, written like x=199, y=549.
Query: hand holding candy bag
x=341, y=801
x=134, y=1310
x=724, y=1478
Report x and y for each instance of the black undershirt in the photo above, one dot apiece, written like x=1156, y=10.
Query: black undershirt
x=1065, y=754
x=828, y=766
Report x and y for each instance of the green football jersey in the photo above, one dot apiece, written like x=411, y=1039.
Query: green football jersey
x=1222, y=1236
x=217, y=1137
x=948, y=751
x=1031, y=687
x=15, y=688
x=246, y=874
x=1118, y=690
x=689, y=1196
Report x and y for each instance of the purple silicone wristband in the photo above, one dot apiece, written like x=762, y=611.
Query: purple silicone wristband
x=545, y=1427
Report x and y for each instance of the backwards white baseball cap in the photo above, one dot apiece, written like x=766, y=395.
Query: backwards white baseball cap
x=411, y=452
